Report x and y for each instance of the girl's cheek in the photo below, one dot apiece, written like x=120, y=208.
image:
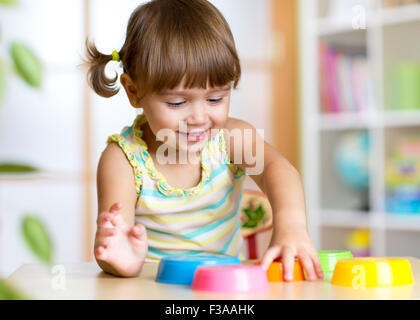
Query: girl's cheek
x=221, y=120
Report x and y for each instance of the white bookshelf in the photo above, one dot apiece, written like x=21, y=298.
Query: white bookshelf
x=390, y=35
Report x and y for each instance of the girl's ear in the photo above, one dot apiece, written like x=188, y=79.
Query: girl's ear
x=131, y=90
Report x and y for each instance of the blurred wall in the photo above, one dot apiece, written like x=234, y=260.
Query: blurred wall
x=43, y=128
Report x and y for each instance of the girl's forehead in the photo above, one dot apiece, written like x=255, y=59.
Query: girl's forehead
x=180, y=90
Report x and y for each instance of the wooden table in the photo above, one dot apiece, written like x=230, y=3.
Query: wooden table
x=88, y=281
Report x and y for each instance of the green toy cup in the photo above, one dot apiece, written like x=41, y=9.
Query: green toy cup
x=329, y=258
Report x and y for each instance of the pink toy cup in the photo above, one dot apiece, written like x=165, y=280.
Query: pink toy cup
x=230, y=278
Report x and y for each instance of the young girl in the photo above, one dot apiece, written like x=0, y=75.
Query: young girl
x=180, y=64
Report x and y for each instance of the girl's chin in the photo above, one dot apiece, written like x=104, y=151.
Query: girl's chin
x=191, y=147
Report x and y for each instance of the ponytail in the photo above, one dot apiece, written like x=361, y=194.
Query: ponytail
x=96, y=77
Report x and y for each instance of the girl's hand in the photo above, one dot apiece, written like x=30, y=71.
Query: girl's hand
x=288, y=245
x=121, y=248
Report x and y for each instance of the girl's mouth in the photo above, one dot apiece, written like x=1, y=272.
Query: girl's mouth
x=196, y=136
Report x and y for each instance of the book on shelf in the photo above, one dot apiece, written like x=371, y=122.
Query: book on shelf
x=402, y=176
x=343, y=79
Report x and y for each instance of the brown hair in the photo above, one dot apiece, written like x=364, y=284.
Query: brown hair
x=167, y=40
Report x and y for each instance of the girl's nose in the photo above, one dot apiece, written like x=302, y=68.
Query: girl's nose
x=198, y=115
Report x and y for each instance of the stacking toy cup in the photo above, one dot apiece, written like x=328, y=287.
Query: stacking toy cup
x=233, y=278
x=181, y=269
x=372, y=272
x=329, y=258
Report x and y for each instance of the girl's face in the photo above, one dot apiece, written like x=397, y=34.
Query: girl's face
x=185, y=119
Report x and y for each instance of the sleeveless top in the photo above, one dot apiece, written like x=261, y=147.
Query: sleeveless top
x=204, y=219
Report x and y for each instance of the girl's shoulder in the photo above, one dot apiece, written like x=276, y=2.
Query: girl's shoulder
x=130, y=135
x=129, y=142
x=244, y=144
x=233, y=124
x=236, y=133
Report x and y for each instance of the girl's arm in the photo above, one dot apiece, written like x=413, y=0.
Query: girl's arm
x=281, y=182
x=116, y=182
x=116, y=202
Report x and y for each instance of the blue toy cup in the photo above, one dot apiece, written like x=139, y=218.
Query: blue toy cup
x=181, y=269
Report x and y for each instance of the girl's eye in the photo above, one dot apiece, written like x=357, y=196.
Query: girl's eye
x=177, y=104
x=214, y=101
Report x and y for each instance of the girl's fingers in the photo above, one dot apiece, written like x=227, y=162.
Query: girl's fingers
x=100, y=253
x=288, y=262
x=115, y=207
x=271, y=254
x=104, y=219
x=106, y=232
x=102, y=242
x=317, y=266
x=113, y=218
x=138, y=231
x=118, y=220
x=308, y=266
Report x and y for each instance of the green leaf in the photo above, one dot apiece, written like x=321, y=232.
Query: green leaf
x=37, y=238
x=259, y=213
x=7, y=292
x=16, y=168
x=8, y=2
x=27, y=65
x=248, y=212
x=250, y=224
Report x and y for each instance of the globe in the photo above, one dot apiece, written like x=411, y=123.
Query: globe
x=351, y=160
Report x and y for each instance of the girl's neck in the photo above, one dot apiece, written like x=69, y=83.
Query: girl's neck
x=150, y=139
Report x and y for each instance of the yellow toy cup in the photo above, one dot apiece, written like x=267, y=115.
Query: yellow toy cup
x=372, y=272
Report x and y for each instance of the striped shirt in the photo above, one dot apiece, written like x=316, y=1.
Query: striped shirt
x=202, y=219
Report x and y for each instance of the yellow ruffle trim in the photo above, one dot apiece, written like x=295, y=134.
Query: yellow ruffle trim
x=238, y=172
x=161, y=182
x=211, y=148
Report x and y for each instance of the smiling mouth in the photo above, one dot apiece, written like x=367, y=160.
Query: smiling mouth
x=195, y=136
